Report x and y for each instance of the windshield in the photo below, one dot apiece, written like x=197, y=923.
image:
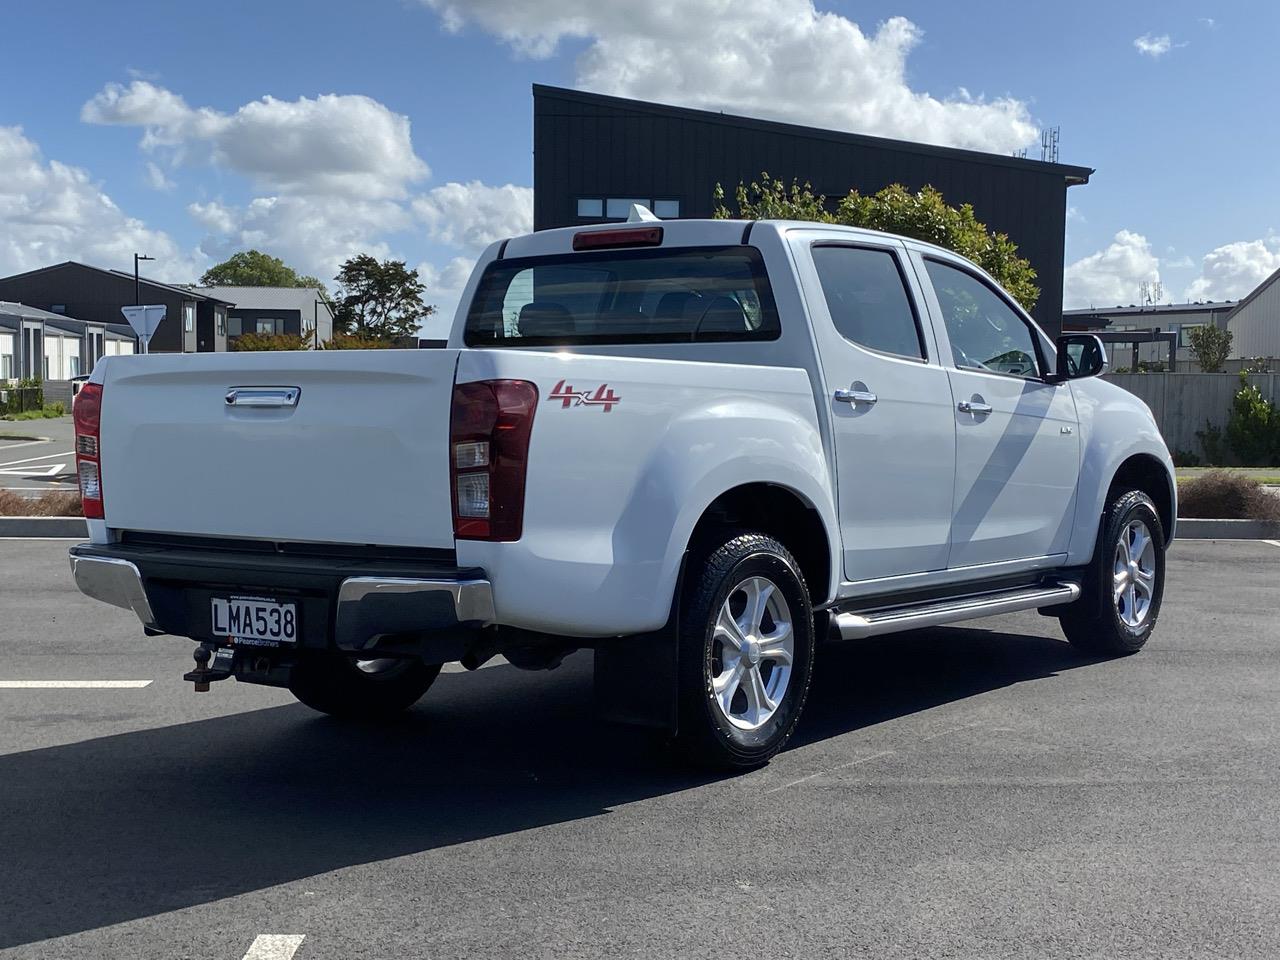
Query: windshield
x=624, y=296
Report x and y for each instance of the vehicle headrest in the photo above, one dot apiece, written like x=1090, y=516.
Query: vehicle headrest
x=542, y=318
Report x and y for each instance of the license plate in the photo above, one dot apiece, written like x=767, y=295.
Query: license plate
x=254, y=621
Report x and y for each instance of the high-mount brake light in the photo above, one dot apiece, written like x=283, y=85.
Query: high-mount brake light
x=613, y=239
x=86, y=412
x=489, y=428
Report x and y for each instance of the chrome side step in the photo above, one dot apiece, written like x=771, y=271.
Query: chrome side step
x=871, y=623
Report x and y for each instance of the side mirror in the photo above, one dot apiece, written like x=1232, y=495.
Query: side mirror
x=1079, y=355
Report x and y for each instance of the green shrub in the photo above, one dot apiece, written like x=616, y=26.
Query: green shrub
x=342, y=341
x=270, y=341
x=1224, y=495
x=1213, y=444
x=1210, y=346
x=1253, y=430
x=1185, y=458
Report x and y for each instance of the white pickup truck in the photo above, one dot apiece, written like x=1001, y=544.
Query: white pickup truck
x=694, y=447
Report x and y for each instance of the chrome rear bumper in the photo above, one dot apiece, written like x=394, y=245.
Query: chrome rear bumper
x=364, y=607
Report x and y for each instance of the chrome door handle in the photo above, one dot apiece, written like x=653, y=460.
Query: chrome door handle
x=263, y=396
x=976, y=407
x=856, y=396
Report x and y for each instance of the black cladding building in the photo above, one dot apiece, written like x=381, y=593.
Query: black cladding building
x=595, y=155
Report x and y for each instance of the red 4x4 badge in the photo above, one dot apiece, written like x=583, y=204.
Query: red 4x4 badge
x=602, y=396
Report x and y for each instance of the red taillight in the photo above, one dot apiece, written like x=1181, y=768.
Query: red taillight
x=86, y=411
x=612, y=239
x=489, y=430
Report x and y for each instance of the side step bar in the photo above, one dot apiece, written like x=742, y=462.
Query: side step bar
x=871, y=623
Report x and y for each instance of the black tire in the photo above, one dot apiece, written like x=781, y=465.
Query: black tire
x=1096, y=624
x=707, y=735
x=335, y=685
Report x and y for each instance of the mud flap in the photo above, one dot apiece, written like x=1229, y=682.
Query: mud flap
x=655, y=656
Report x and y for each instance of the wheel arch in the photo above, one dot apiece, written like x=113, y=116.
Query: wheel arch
x=780, y=512
x=1147, y=473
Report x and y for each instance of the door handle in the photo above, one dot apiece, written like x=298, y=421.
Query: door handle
x=977, y=406
x=263, y=396
x=856, y=396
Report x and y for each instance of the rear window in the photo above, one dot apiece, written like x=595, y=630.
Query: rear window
x=624, y=296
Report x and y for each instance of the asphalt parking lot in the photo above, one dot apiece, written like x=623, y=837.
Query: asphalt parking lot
x=37, y=456
x=976, y=792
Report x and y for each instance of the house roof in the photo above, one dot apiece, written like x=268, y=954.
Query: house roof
x=1253, y=294
x=302, y=299
x=1072, y=174
x=1161, y=310
x=189, y=292
x=10, y=313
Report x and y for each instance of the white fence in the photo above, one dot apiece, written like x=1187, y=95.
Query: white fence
x=1184, y=402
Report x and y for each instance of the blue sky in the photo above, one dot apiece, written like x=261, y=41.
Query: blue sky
x=404, y=126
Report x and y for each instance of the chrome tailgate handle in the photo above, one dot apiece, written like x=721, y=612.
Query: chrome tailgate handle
x=263, y=396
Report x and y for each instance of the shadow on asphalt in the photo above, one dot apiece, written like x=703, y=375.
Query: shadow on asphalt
x=128, y=826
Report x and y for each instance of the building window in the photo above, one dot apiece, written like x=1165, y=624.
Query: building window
x=666, y=209
x=73, y=367
x=58, y=308
x=234, y=326
x=189, y=317
x=620, y=207
x=590, y=208
x=268, y=325
x=1184, y=333
x=221, y=322
x=6, y=366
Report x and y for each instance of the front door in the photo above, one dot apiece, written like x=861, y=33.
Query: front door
x=1017, y=437
x=890, y=404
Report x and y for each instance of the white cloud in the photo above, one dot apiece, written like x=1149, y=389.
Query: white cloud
x=50, y=212
x=444, y=289
x=1234, y=269
x=782, y=59
x=1111, y=277
x=474, y=215
x=1155, y=46
x=157, y=178
x=350, y=145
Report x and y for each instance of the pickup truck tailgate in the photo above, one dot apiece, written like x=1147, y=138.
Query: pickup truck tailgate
x=361, y=457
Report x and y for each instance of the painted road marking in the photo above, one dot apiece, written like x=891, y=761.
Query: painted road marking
x=274, y=946
x=49, y=470
x=25, y=443
x=838, y=766
x=74, y=684
x=47, y=456
x=1274, y=543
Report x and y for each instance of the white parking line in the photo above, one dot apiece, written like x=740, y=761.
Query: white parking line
x=47, y=456
x=838, y=766
x=25, y=443
x=1274, y=543
x=274, y=946
x=74, y=684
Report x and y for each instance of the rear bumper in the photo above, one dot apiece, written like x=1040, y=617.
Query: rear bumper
x=342, y=603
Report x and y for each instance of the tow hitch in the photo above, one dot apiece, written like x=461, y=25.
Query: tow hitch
x=224, y=659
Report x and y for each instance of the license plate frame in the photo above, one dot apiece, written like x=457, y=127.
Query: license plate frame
x=255, y=621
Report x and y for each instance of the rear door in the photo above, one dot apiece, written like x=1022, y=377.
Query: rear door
x=342, y=446
x=1017, y=443
x=890, y=404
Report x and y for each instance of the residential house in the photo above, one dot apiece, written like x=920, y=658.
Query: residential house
x=301, y=311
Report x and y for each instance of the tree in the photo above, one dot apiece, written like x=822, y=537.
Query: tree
x=270, y=341
x=924, y=215
x=253, y=268
x=379, y=301
x=1210, y=346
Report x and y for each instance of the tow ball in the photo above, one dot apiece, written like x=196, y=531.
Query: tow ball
x=223, y=666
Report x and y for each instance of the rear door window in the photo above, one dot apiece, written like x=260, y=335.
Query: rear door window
x=682, y=295
x=868, y=300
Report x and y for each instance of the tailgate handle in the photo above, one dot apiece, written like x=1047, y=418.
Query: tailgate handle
x=263, y=396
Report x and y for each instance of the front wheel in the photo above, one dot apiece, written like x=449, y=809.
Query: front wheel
x=1124, y=583
x=360, y=689
x=746, y=653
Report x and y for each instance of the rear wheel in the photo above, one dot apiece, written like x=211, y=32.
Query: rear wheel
x=746, y=653
x=360, y=689
x=1124, y=584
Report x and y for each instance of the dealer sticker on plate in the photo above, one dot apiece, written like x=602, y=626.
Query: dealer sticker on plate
x=255, y=621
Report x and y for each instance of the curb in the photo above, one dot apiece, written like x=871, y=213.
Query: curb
x=69, y=527
x=1227, y=529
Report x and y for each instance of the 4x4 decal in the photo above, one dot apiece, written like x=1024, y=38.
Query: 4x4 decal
x=603, y=396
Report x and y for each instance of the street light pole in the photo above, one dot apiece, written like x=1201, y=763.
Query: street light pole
x=137, y=297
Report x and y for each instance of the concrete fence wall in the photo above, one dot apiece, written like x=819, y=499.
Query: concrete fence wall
x=1184, y=402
